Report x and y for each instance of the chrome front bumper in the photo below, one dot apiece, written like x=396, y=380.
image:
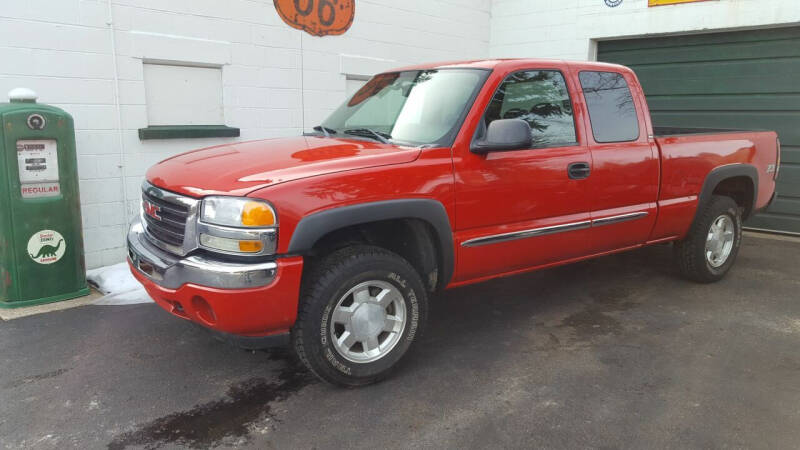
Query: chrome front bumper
x=171, y=271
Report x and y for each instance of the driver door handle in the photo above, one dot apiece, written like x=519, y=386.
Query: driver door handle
x=579, y=170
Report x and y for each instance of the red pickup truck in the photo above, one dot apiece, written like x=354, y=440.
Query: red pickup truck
x=432, y=177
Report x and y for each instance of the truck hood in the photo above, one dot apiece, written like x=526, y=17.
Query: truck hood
x=241, y=168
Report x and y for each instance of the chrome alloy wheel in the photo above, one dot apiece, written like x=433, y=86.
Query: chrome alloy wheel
x=719, y=242
x=368, y=321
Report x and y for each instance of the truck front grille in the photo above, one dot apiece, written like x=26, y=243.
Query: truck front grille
x=165, y=217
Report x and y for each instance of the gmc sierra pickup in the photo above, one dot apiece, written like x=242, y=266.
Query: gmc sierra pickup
x=432, y=177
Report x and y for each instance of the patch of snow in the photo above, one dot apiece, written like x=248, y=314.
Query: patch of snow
x=118, y=285
x=132, y=297
x=112, y=279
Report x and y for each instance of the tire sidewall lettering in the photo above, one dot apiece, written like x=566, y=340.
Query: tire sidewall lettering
x=323, y=332
x=413, y=317
x=338, y=365
x=412, y=303
x=397, y=278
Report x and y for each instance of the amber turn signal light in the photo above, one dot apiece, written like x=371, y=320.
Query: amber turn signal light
x=257, y=214
x=231, y=245
x=250, y=246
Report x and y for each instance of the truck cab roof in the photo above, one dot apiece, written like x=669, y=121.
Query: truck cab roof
x=509, y=64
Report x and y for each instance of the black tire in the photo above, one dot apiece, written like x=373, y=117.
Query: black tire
x=690, y=253
x=325, y=283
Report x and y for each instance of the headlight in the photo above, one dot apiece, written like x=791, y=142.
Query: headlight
x=238, y=212
x=238, y=226
x=231, y=245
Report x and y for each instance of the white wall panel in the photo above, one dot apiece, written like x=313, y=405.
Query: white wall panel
x=275, y=79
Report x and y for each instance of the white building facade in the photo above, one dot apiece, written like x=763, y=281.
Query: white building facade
x=129, y=69
x=571, y=29
x=118, y=66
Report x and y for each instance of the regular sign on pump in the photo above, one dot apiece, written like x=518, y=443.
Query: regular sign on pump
x=38, y=168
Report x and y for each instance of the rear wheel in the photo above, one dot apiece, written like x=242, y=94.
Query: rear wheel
x=710, y=248
x=361, y=310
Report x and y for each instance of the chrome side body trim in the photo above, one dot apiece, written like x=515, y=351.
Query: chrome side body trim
x=527, y=234
x=534, y=232
x=172, y=272
x=618, y=219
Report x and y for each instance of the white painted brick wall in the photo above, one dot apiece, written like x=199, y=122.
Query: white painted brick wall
x=63, y=50
x=569, y=29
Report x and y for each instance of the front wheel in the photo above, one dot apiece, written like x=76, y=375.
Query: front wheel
x=710, y=248
x=361, y=310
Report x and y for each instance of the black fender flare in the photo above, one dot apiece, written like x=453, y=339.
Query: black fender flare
x=313, y=227
x=719, y=174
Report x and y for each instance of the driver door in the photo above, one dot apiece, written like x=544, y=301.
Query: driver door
x=523, y=208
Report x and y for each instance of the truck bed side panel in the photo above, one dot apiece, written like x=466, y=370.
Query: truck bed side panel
x=688, y=159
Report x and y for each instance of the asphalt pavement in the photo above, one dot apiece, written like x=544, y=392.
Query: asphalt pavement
x=616, y=352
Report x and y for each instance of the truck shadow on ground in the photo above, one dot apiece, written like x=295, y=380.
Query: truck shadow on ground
x=565, y=307
x=578, y=300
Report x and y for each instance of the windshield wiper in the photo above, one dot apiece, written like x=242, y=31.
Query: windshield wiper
x=383, y=138
x=325, y=130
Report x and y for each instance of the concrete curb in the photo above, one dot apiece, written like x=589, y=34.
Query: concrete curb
x=771, y=236
x=16, y=313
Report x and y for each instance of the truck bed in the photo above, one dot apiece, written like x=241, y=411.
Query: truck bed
x=676, y=131
x=688, y=155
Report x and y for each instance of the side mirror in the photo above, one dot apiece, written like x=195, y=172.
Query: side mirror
x=503, y=135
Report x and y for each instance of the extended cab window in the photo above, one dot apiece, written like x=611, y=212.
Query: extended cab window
x=611, y=108
x=539, y=97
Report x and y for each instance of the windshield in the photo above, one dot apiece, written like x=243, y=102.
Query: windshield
x=418, y=107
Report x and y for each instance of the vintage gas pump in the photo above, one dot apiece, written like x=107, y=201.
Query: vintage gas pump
x=41, y=242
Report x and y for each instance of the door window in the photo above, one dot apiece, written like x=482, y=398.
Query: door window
x=539, y=97
x=611, y=109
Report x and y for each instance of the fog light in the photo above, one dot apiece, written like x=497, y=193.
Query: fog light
x=231, y=245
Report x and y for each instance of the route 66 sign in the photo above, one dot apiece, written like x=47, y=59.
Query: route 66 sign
x=318, y=17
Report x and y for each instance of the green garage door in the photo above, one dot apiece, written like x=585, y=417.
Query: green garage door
x=742, y=79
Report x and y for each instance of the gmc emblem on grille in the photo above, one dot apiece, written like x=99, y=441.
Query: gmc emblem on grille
x=151, y=209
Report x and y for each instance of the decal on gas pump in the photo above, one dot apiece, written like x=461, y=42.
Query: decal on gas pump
x=36, y=122
x=46, y=246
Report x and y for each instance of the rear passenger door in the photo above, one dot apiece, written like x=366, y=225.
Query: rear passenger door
x=625, y=167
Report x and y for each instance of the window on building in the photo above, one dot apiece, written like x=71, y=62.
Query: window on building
x=183, y=102
x=611, y=108
x=541, y=98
